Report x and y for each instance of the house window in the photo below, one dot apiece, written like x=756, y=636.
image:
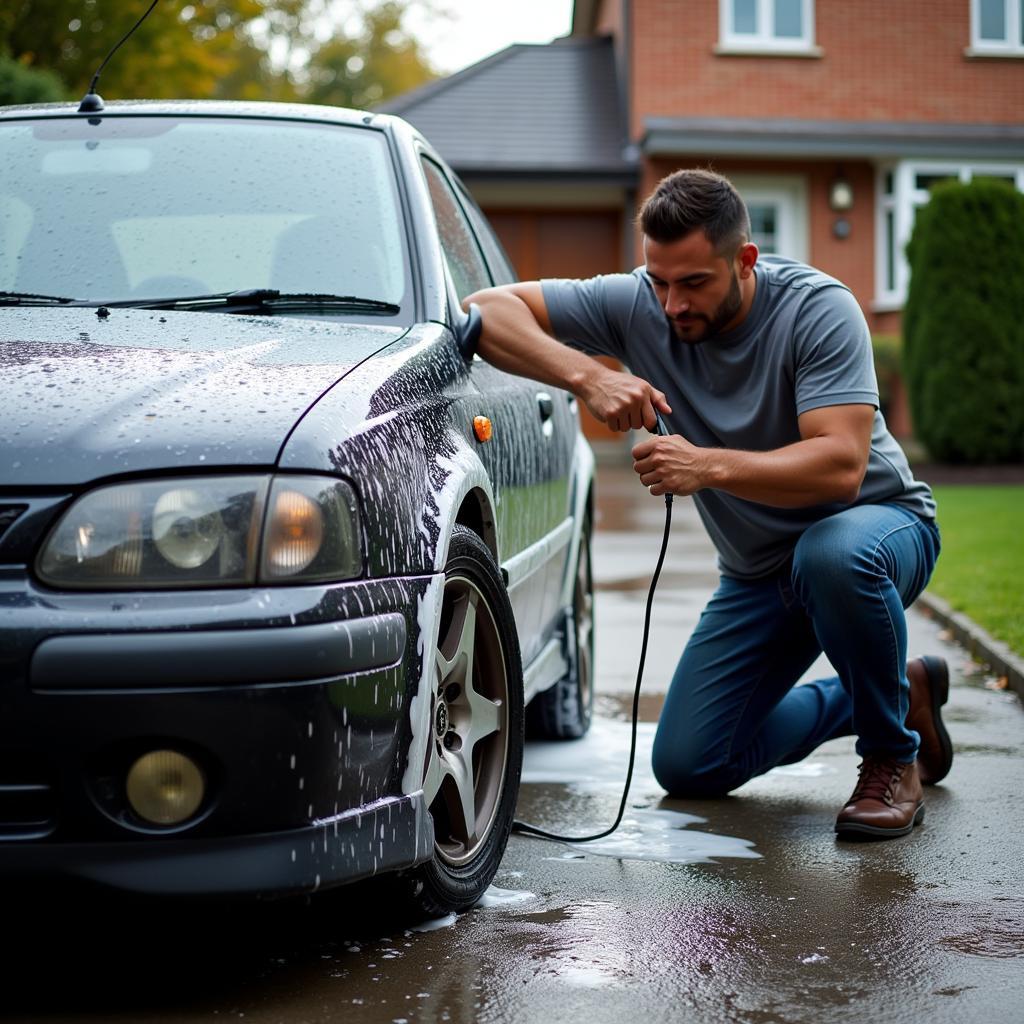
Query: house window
x=997, y=27
x=902, y=189
x=777, y=204
x=764, y=226
x=766, y=26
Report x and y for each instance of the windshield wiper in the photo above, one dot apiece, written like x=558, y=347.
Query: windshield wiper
x=31, y=299
x=264, y=300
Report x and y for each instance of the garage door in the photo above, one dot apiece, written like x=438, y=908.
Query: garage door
x=548, y=243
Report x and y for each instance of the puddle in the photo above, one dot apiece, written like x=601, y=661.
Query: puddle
x=999, y=944
x=492, y=898
x=665, y=836
x=597, y=763
x=556, y=915
x=578, y=953
x=1001, y=932
x=584, y=977
x=814, y=958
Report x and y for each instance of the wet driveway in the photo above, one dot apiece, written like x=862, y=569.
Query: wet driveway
x=741, y=909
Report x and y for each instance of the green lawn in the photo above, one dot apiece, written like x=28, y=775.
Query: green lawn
x=981, y=568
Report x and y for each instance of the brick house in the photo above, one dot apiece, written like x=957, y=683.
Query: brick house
x=832, y=117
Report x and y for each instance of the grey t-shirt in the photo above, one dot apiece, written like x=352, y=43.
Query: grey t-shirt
x=803, y=345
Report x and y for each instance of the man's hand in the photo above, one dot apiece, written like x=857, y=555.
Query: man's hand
x=671, y=465
x=826, y=465
x=622, y=401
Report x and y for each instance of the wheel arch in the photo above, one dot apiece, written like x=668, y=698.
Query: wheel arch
x=477, y=514
x=467, y=498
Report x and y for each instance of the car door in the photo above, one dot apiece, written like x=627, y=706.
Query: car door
x=529, y=457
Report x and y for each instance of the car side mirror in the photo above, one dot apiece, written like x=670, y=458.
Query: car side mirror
x=468, y=330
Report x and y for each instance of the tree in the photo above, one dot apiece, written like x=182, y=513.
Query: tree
x=177, y=51
x=377, y=62
x=21, y=84
x=220, y=49
x=963, y=328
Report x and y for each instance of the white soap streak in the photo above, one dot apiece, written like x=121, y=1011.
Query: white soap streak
x=428, y=619
x=355, y=812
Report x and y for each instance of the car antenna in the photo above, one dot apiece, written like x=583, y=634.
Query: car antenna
x=92, y=102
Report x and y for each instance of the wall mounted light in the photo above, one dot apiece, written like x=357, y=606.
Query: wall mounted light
x=840, y=198
x=840, y=193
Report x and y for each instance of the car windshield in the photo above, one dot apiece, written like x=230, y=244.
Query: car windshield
x=132, y=208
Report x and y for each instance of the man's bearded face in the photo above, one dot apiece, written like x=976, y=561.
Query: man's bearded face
x=696, y=285
x=694, y=327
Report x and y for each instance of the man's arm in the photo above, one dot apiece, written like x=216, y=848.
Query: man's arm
x=828, y=463
x=518, y=338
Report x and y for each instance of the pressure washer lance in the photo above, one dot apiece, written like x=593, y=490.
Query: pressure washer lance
x=532, y=830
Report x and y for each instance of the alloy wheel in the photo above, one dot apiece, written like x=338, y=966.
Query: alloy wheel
x=468, y=750
x=584, y=609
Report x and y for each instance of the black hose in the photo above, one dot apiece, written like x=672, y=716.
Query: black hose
x=532, y=830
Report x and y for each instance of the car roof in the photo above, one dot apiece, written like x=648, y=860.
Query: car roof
x=211, y=108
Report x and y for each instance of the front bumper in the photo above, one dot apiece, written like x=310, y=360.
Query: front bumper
x=389, y=835
x=295, y=701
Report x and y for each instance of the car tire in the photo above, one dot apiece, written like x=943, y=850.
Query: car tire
x=475, y=751
x=564, y=711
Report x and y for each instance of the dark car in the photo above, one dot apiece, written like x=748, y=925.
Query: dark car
x=281, y=561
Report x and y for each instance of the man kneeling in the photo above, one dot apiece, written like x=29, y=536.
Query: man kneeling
x=762, y=368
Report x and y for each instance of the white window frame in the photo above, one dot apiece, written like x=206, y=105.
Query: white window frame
x=789, y=194
x=903, y=203
x=1011, y=46
x=763, y=41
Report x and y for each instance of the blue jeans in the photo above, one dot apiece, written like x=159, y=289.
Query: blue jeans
x=733, y=710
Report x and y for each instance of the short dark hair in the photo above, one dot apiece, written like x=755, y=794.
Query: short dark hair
x=686, y=200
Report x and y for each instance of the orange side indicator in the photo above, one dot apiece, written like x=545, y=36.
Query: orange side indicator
x=482, y=428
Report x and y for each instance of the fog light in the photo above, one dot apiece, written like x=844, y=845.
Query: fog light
x=165, y=787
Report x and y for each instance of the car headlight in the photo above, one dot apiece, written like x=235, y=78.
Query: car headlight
x=206, y=531
x=312, y=531
x=187, y=527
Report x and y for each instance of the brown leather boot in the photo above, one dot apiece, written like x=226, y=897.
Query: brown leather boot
x=887, y=801
x=929, y=690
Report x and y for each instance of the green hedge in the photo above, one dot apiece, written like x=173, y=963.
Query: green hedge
x=888, y=353
x=963, y=325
